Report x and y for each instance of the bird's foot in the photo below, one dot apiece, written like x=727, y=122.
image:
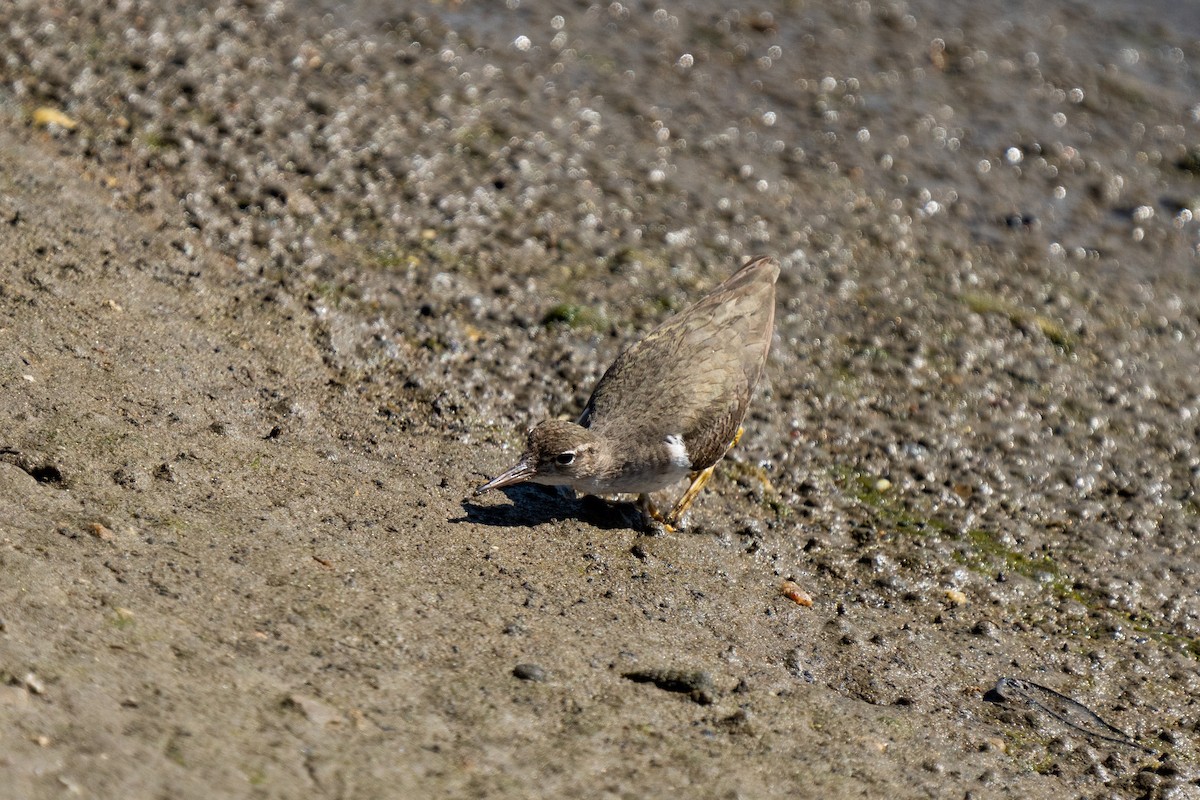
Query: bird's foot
x=652, y=517
x=699, y=480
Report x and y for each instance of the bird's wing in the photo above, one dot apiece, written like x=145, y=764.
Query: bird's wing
x=697, y=369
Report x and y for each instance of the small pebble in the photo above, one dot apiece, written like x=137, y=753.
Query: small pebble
x=101, y=532
x=986, y=627
x=695, y=683
x=45, y=116
x=34, y=684
x=529, y=672
x=792, y=591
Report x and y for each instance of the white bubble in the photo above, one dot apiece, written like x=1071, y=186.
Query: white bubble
x=1013, y=155
x=680, y=238
x=685, y=61
x=768, y=118
x=522, y=43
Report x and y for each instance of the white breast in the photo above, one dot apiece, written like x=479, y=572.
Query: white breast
x=678, y=453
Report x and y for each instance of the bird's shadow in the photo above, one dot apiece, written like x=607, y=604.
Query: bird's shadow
x=535, y=505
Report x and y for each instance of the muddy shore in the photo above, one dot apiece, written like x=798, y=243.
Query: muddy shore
x=280, y=283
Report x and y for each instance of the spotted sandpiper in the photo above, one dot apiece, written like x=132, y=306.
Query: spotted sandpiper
x=671, y=404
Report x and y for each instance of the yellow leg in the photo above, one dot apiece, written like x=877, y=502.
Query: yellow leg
x=699, y=481
x=737, y=437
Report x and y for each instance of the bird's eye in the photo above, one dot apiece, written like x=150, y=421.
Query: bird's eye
x=565, y=458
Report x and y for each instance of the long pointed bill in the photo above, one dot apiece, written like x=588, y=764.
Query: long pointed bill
x=521, y=471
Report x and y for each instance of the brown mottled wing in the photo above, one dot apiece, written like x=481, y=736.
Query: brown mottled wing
x=694, y=374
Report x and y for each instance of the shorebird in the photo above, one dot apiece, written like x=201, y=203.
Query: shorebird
x=669, y=407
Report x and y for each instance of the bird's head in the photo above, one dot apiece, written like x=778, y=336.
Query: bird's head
x=557, y=453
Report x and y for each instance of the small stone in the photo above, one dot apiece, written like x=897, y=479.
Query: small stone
x=696, y=684
x=529, y=672
x=34, y=684
x=792, y=591
x=985, y=627
x=46, y=116
x=101, y=532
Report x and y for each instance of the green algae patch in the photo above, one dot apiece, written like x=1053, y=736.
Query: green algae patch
x=574, y=316
x=1021, y=318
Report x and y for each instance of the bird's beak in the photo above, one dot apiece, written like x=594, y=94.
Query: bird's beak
x=520, y=472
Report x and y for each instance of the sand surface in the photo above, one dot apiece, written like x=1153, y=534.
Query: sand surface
x=280, y=283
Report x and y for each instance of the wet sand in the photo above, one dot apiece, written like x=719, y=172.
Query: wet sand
x=283, y=283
